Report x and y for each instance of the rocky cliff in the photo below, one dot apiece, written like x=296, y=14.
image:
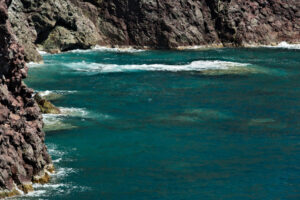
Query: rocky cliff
x=58, y=25
x=23, y=154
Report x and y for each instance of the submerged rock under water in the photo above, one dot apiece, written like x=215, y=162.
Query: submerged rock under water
x=167, y=132
x=233, y=70
x=54, y=122
x=46, y=106
x=195, y=115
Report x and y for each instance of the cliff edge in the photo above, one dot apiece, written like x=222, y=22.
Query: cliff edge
x=60, y=25
x=23, y=154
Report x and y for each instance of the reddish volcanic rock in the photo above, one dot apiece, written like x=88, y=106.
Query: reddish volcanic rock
x=23, y=154
x=169, y=23
x=68, y=24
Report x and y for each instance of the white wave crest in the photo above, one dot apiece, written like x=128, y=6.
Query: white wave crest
x=57, y=160
x=109, y=49
x=194, y=66
x=285, y=45
x=54, y=151
x=200, y=47
x=54, y=186
x=61, y=92
x=74, y=112
x=118, y=49
x=36, y=193
x=42, y=52
x=63, y=172
x=55, y=122
x=58, y=186
x=34, y=64
x=47, y=191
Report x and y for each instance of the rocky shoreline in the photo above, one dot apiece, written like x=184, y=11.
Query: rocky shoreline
x=24, y=159
x=61, y=25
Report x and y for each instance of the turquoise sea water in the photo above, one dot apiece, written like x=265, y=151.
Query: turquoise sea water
x=209, y=124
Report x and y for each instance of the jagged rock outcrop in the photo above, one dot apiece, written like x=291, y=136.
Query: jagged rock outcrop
x=23, y=154
x=169, y=23
x=46, y=106
x=58, y=25
x=55, y=25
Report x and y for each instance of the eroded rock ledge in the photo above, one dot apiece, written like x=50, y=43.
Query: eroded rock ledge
x=23, y=154
x=59, y=25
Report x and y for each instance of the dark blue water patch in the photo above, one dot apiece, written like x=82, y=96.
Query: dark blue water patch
x=229, y=132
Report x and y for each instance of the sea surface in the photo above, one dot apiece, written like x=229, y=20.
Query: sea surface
x=177, y=125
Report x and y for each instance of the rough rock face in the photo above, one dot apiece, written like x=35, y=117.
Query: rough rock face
x=55, y=25
x=23, y=154
x=58, y=25
x=169, y=23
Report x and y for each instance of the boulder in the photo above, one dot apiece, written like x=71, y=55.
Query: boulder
x=46, y=106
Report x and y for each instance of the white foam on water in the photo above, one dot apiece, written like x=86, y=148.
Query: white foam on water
x=54, y=152
x=52, y=119
x=36, y=193
x=46, y=93
x=80, y=112
x=108, y=49
x=54, y=186
x=57, y=160
x=285, y=45
x=194, y=66
x=58, y=185
x=62, y=92
x=33, y=64
x=74, y=112
x=63, y=172
x=55, y=122
x=47, y=190
x=118, y=49
x=200, y=47
x=59, y=154
x=42, y=52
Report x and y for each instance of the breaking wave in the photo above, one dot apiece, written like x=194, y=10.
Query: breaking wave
x=285, y=45
x=55, y=122
x=109, y=49
x=42, y=52
x=193, y=66
x=34, y=64
x=60, y=92
x=57, y=186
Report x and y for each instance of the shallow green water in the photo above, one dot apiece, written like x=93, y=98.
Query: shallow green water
x=211, y=124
